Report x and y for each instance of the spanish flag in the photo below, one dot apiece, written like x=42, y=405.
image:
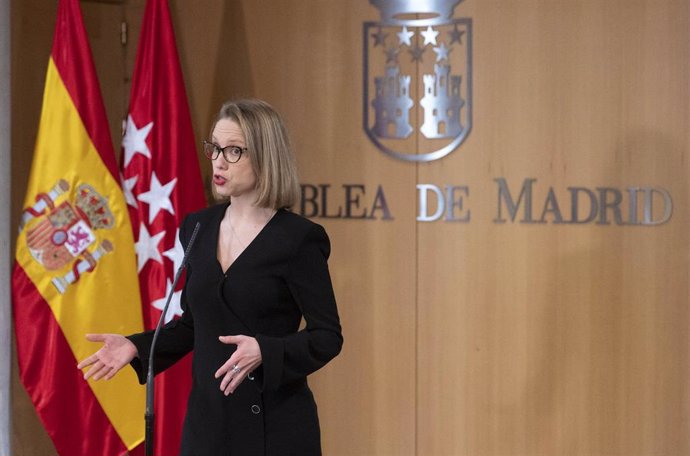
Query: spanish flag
x=75, y=270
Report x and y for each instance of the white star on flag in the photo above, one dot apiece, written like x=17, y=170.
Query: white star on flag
x=176, y=254
x=147, y=247
x=158, y=197
x=134, y=141
x=127, y=186
x=174, y=308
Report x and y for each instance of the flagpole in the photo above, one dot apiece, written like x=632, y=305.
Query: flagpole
x=5, y=176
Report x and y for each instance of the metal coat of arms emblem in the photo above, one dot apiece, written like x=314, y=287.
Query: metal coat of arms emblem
x=417, y=79
x=60, y=234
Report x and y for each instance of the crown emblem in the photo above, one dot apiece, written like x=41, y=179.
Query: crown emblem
x=393, y=11
x=94, y=207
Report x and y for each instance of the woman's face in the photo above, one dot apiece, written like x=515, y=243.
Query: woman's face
x=231, y=179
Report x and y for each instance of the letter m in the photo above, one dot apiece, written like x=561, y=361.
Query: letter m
x=505, y=198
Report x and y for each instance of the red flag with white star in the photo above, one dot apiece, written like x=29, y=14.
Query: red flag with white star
x=162, y=183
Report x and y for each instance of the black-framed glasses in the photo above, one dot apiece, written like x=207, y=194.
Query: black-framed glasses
x=231, y=154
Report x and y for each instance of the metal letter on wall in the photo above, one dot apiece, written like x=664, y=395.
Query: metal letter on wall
x=417, y=79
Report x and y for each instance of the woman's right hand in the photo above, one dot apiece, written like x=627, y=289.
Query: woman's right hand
x=117, y=351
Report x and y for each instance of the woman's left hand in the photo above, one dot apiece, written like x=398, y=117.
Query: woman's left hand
x=246, y=358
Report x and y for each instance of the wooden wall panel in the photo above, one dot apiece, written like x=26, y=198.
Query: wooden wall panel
x=562, y=339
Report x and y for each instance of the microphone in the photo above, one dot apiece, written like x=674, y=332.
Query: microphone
x=149, y=415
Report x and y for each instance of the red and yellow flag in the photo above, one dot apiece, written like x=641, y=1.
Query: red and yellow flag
x=75, y=269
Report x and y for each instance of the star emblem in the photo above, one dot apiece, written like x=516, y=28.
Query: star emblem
x=405, y=36
x=392, y=55
x=158, y=197
x=441, y=52
x=379, y=37
x=134, y=141
x=174, y=309
x=429, y=35
x=417, y=53
x=147, y=247
x=456, y=35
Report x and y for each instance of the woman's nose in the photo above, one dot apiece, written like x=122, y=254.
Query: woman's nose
x=220, y=163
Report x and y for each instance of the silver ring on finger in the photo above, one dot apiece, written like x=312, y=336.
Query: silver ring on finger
x=235, y=369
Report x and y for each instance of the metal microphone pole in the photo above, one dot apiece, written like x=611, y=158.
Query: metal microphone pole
x=149, y=415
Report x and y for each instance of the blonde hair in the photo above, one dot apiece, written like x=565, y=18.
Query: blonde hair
x=269, y=150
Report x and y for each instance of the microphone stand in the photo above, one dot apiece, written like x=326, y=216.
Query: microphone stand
x=149, y=415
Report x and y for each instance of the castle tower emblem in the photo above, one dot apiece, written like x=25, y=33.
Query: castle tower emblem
x=392, y=104
x=417, y=78
x=442, y=104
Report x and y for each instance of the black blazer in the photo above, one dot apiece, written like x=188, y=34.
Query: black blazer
x=280, y=277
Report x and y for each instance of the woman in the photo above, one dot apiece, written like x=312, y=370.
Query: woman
x=254, y=272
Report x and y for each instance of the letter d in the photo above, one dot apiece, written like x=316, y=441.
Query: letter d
x=423, y=191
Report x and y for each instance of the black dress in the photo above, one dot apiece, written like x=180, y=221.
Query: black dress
x=280, y=277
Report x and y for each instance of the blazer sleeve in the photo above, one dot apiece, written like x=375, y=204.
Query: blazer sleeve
x=293, y=357
x=175, y=339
